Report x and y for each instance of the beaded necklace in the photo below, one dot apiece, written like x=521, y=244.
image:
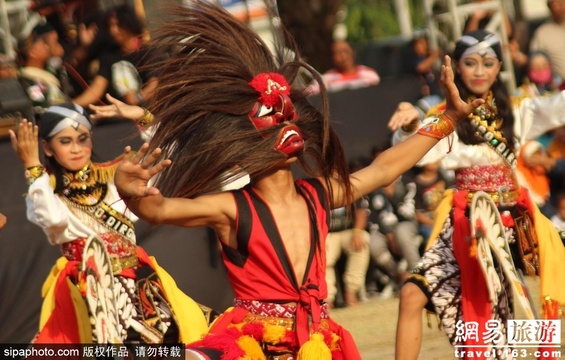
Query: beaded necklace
x=487, y=123
x=86, y=186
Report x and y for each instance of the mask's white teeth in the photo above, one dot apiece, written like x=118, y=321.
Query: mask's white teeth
x=287, y=134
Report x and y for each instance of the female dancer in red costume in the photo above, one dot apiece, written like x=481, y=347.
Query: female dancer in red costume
x=464, y=276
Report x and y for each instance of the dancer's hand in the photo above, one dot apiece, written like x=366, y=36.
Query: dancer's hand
x=133, y=174
x=405, y=116
x=25, y=143
x=457, y=109
x=116, y=108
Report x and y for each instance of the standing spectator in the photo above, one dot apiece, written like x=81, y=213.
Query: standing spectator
x=549, y=36
x=348, y=235
x=123, y=73
x=383, y=246
x=480, y=20
x=346, y=74
x=55, y=63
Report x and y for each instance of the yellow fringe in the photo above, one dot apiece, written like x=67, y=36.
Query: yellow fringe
x=102, y=172
x=251, y=348
x=274, y=333
x=473, y=249
x=314, y=349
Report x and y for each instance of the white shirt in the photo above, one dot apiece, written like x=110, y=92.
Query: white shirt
x=532, y=117
x=48, y=211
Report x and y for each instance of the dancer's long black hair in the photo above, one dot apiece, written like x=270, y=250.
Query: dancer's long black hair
x=203, y=100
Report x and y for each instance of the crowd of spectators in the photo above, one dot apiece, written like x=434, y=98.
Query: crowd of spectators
x=82, y=55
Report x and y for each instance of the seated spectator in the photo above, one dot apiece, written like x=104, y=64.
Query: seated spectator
x=385, y=254
x=42, y=86
x=555, y=170
x=3, y=221
x=124, y=73
x=430, y=186
x=82, y=58
x=556, y=146
x=424, y=62
x=55, y=63
x=540, y=79
x=559, y=218
x=347, y=235
x=8, y=69
x=346, y=74
x=534, y=177
x=549, y=36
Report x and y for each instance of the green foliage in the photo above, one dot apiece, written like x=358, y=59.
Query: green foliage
x=370, y=20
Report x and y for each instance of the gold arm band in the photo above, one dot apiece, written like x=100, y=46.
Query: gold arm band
x=32, y=173
x=146, y=119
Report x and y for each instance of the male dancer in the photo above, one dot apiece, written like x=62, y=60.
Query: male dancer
x=227, y=109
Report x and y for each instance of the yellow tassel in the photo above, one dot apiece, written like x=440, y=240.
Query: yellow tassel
x=335, y=340
x=314, y=349
x=274, y=333
x=251, y=348
x=473, y=247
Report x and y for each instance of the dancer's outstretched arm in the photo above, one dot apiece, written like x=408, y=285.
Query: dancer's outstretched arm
x=400, y=158
x=133, y=182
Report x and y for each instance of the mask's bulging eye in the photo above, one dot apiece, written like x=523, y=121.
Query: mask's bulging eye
x=264, y=110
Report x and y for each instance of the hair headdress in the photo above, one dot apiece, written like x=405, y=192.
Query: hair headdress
x=217, y=70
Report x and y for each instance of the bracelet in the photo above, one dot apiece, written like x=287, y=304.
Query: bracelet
x=358, y=231
x=146, y=119
x=32, y=173
x=439, y=128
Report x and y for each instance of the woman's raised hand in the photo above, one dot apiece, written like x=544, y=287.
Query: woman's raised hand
x=25, y=143
x=116, y=108
x=456, y=108
x=135, y=171
x=405, y=116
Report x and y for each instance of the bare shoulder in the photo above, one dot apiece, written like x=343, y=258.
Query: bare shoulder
x=222, y=203
x=216, y=209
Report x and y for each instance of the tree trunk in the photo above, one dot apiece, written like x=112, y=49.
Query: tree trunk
x=311, y=23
